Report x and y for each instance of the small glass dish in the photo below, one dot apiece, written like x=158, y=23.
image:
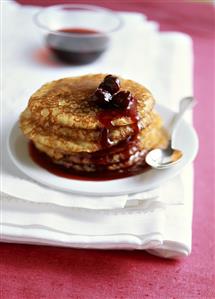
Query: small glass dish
x=75, y=33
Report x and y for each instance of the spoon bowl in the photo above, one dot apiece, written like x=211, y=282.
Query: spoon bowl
x=163, y=158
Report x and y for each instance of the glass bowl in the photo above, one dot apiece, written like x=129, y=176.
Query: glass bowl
x=75, y=33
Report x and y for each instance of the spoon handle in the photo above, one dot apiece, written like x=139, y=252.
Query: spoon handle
x=184, y=105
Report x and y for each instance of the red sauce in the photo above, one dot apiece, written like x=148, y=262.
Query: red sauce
x=78, y=30
x=107, y=116
x=78, y=46
x=45, y=162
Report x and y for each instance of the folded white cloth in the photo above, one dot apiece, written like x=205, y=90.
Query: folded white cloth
x=159, y=220
x=164, y=229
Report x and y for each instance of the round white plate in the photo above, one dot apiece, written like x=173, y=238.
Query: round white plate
x=186, y=141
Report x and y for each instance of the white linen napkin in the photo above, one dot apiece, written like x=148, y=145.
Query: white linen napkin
x=164, y=230
x=158, y=220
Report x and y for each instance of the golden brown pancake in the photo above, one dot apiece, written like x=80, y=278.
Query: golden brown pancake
x=67, y=144
x=71, y=139
x=62, y=121
x=151, y=137
x=120, y=159
x=65, y=102
x=31, y=128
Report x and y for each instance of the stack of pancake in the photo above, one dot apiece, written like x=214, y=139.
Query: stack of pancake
x=63, y=122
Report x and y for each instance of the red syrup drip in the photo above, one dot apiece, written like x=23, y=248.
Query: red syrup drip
x=78, y=45
x=45, y=162
x=107, y=116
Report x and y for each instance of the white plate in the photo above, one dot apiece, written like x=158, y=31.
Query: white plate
x=186, y=141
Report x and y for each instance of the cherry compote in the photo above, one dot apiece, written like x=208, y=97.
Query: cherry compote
x=115, y=104
x=110, y=84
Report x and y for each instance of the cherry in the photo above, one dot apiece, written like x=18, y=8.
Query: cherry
x=107, y=95
x=122, y=99
x=110, y=84
x=102, y=98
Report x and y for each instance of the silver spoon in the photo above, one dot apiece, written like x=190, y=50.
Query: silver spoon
x=165, y=158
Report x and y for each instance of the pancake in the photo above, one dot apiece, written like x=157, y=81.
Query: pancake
x=82, y=130
x=120, y=166
x=35, y=131
x=67, y=145
x=66, y=102
x=118, y=160
x=31, y=128
x=151, y=137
